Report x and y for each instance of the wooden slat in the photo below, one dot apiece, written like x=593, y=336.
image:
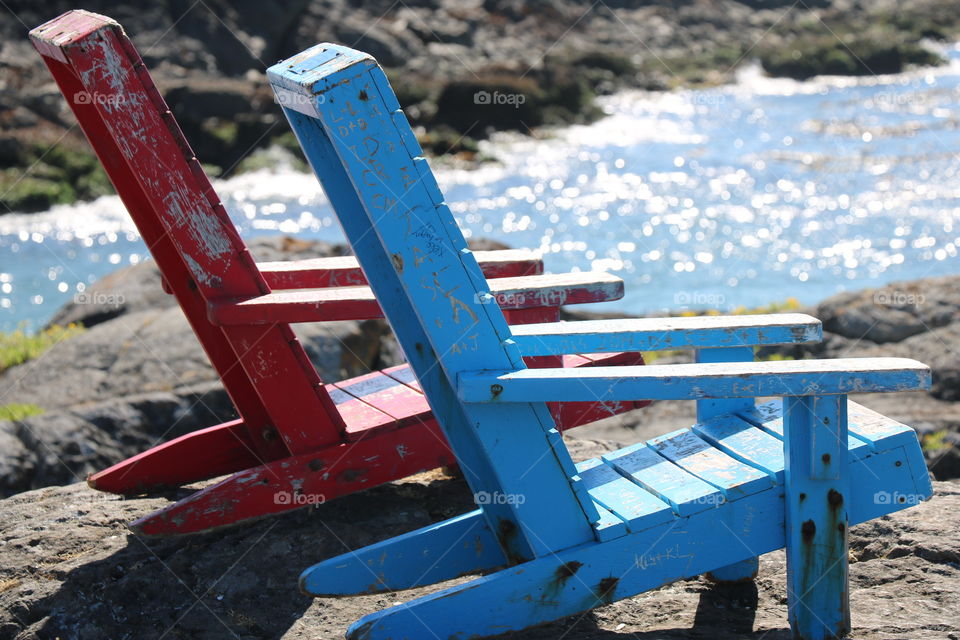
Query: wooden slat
x=348, y=121
x=698, y=380
x=658, y=334
x=359, y=416
x=769, y=417
x=190, y=235
x=359, y=303
x=440, y=551
x=387, y=396
x=636, y=507
x=696, y=456
x=200, y=455
x=744, y=441
x=684, y=492
x=345, y=271
x=871, y=427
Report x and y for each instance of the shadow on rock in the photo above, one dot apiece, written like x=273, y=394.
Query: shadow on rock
x=240, y=582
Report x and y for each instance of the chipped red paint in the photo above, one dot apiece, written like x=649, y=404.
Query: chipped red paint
x=344, y=271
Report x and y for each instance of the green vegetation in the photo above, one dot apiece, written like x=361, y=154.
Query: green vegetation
x=707, y=68
x=18, y=411
x=935, y=442
x=649, y=357
x=873, y=52
x=780, y=306
x=38, y=177
x=18, y=346
x=884, y=41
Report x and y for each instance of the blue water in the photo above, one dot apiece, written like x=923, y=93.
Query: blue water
x=736, y=196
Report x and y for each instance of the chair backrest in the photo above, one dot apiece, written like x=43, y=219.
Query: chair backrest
x=196, y=247
x=361, y=147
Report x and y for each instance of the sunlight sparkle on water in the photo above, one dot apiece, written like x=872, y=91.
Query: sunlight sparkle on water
x=743, y=194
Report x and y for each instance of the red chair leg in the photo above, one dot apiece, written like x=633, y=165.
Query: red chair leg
x=303, y=480
x=199, y=455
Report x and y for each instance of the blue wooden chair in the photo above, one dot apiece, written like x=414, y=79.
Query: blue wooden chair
x=558, y=538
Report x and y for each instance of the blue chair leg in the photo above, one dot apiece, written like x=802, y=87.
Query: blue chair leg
x=707, y=409
x=738, y=572
x=817, y=487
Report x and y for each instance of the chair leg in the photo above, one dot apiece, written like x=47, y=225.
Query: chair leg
x=441, y=551
x=817, y=488
x=307, y=479
x=578, y=579
x=738, y=572
x=707, y=409
x=200, y=455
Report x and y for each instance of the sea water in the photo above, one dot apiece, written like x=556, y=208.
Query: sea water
x=736, y=196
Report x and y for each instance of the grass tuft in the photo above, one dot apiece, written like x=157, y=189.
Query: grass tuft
x=19, y=346
x=18, y=411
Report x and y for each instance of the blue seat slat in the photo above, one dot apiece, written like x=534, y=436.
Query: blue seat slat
x=610, y=525
x=633, y=504
x=872, y=427
x=698, y=457
x=686, y=493
x=744, y=441
x=769, y=417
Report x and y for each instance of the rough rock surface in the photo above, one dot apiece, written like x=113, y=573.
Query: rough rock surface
x=208, y=59
x=70, y=570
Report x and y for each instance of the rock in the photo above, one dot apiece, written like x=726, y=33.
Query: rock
x=893, y=313
x=126, y=290
x=942, y=450
x=138, y=376
x=71, y=570
x=208, y=59
x=935, y=348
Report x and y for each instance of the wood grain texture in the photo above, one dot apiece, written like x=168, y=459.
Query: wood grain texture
x=693, y=381
x=359, y=303
x=345, y=271
x=659, y=334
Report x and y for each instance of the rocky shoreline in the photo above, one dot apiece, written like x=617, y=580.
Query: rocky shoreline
x=461, y=69
x=136, y=376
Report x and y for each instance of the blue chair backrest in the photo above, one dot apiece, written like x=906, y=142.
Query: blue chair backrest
x=359, y=143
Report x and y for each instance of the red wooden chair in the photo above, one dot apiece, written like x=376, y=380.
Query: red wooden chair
x=297, y=441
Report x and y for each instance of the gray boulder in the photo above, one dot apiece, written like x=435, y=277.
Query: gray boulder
x=892, y=313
